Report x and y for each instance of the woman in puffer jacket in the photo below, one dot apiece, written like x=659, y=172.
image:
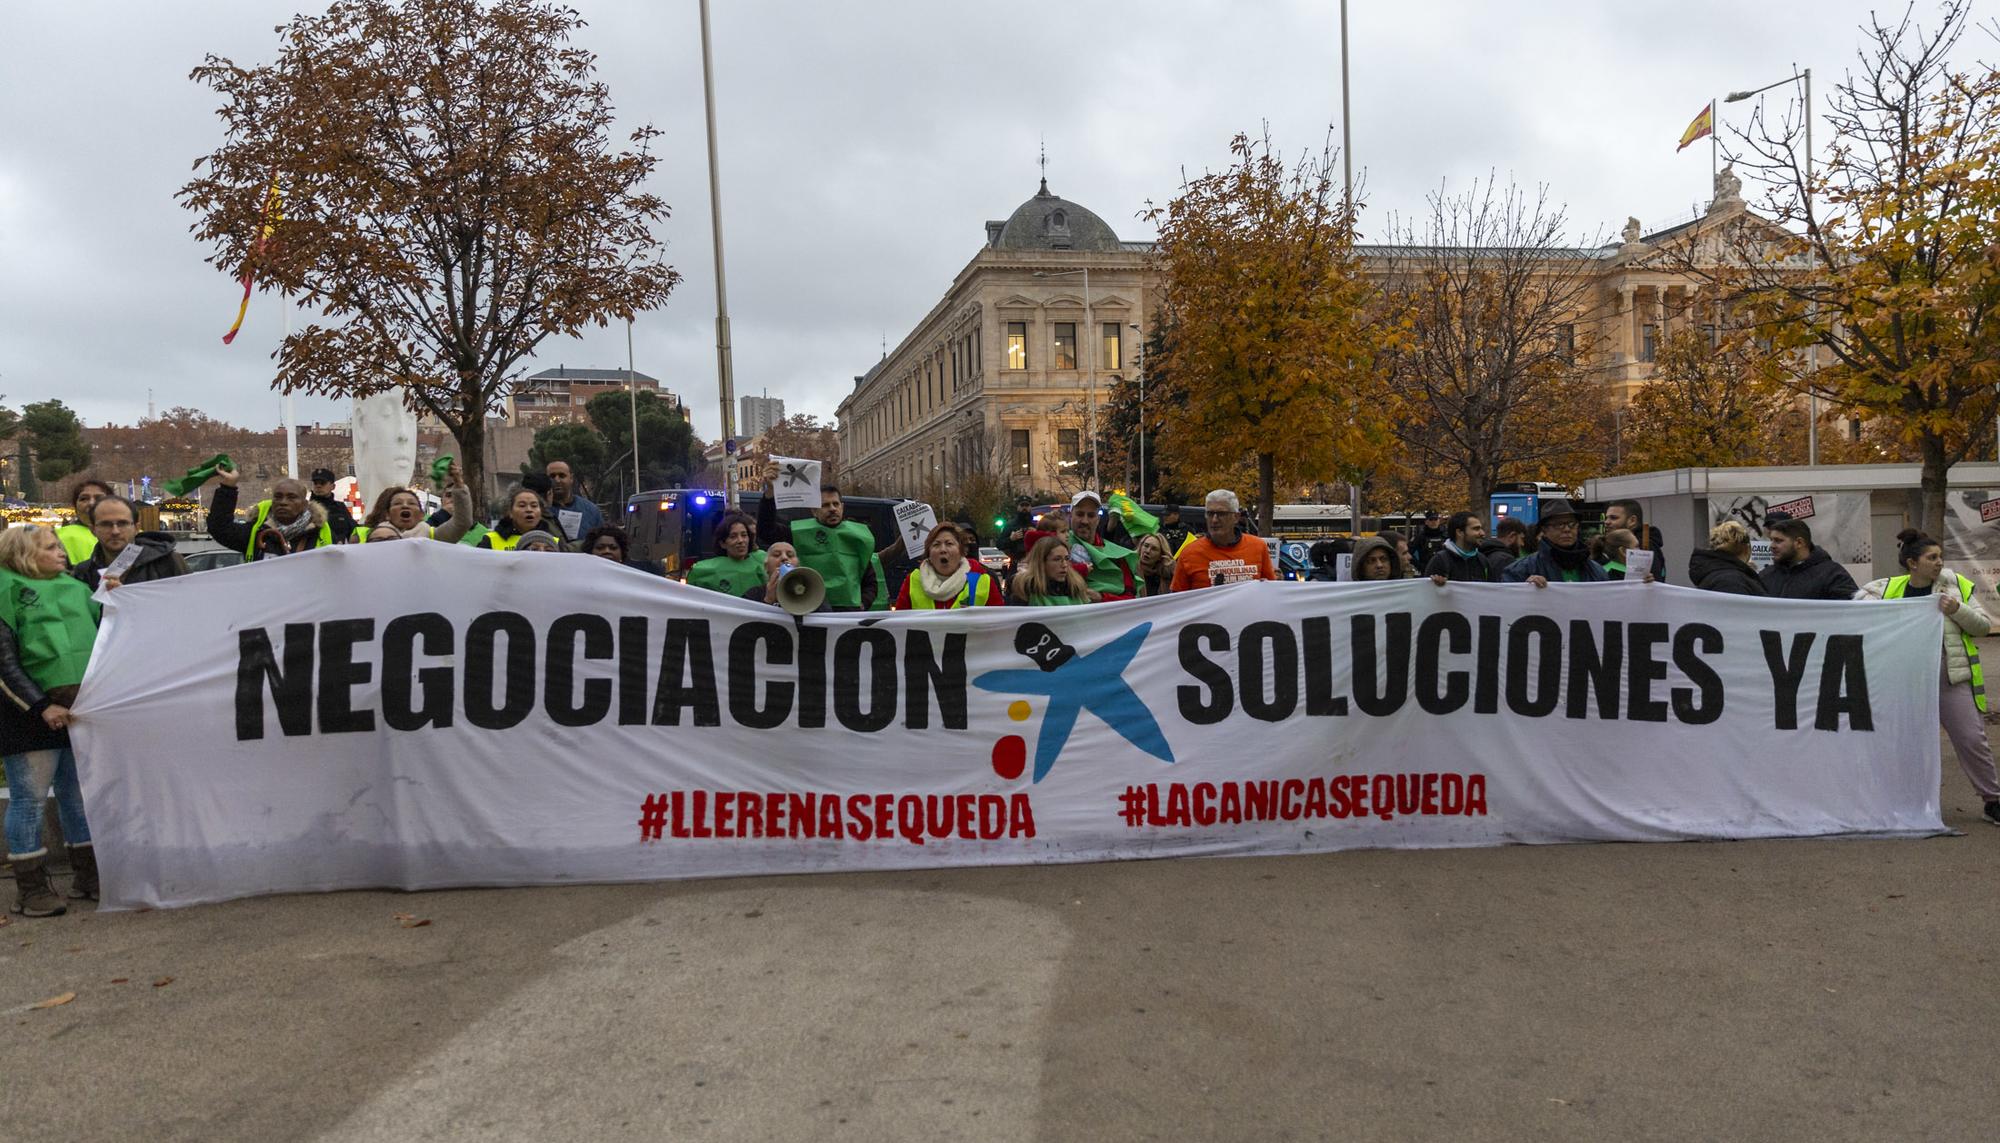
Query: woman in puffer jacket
x=1961, y=682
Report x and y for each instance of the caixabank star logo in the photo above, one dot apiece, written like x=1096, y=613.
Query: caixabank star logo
x=1072, y=683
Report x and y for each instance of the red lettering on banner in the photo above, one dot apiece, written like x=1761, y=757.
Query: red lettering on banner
x=699, y=812
x=1316, y=798
x=1258, y=800
x=724, y=802
x=1177, y=806
x=830, y=824
x=1231, y=812
x=1430, y=801
x=750, y=811
x=885, y=811
x=1382, y=792
x=1289, y=796
x=991, y=826
x=1020, y=817
x=1452, y=799
x=804, y=815
x=1204, y=803
x=1339, y=802
x=1408, y=789
x=677, y=823
x=1475, y=794
x=966, y=823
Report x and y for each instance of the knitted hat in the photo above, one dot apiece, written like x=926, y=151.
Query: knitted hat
x=537, y=536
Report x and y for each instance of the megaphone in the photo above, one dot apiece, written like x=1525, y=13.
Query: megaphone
x=800, y=590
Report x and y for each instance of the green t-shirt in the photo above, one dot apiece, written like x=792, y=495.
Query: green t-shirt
x=731, y=577
x=54, y=622
x=839, y=555
x=1108, y=564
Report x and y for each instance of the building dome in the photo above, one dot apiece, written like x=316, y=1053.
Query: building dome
x=1046, y=222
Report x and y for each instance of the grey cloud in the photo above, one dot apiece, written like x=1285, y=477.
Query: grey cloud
x=863, y=145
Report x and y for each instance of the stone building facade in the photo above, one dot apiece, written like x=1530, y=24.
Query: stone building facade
x=996, y=377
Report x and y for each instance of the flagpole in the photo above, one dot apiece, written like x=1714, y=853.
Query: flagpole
x=1714, y=148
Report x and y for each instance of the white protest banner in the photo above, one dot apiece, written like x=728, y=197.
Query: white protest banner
x=914, y=521
x=797, y=485
x=421, y=715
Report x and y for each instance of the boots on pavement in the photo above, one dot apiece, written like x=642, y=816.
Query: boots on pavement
x=32, y=895
x=83, y=872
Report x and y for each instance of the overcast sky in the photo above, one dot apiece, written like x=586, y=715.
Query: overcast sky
x=863, y=146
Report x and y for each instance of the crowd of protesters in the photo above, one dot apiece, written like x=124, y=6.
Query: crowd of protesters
x=1091, y=550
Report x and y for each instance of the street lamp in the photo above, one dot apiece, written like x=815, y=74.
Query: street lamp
x=724, y=371
x=1089, y=362
x=1812, y=354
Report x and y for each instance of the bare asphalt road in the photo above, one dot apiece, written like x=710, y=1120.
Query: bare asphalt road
x=1785, y=990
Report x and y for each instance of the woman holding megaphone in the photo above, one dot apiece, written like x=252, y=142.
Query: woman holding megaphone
x=781, y=559
x=945, y=580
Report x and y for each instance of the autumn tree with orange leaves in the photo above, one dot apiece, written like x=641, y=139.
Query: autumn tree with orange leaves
x=1892, y=268
x=452, y=196
x=1268, y=336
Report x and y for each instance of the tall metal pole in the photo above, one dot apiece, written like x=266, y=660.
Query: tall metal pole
x=632, y=387
x=1347, y=200
x=1139, y=360
x=1091, y=347
x=725, y=379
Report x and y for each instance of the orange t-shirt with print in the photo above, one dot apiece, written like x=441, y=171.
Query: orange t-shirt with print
x=1204, y=563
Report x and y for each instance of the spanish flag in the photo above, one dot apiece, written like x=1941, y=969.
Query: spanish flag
x=274, y=213
x=1704, y=124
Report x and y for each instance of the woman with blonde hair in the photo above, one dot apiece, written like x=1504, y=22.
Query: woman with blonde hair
x=48, y=624
x=1047, y=578
x=1724, y=565
x=1156, y=563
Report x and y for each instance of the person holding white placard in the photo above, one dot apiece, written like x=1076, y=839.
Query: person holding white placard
x=124, y=554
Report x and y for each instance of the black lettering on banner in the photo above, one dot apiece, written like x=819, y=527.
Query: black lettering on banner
x=743, y=670
x=1432, y=636
x=1271, y=643
x=1548, y=666
x=559, y=670
x=812, y=678
x=880, y=648
x=1204, y=707
x=687, y=676
x=400, y=675
x=291, y=684
x=339, y=674
x=1843, y=686
x=632, y=660
x=1380, y=701
x=1321, y=702
x=1691, y=642
x=1787, y=671
x=924, y=675
x=1643, y=668
x=517, y=674
x=1486, y=670
x=1594, y=669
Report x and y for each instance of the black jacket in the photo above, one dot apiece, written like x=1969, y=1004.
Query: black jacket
x=1497, y=556
x=157, y=560
x=337, y=517
x=1714, y=571
x=1815, y=577
x=234, y=534
x=1543, y=562
x=1463, y=569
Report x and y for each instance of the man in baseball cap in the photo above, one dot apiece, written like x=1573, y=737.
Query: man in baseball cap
x=1111, y=570
x=337, y=516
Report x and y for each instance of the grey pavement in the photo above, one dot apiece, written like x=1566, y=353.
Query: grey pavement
x=1825, y=990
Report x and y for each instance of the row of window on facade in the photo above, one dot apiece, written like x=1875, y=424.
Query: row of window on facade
x=1063, y=347
x=1069, y=451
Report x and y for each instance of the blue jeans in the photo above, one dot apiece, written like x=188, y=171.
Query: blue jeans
x=29, y=777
